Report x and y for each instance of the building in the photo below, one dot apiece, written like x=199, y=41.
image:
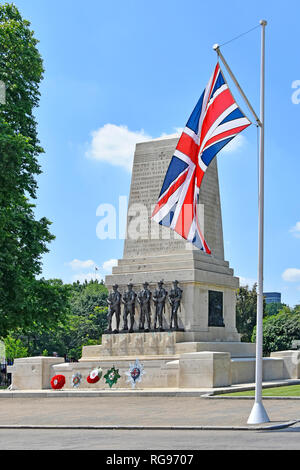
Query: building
x=271, y=297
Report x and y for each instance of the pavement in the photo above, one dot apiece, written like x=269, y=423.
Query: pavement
x=113, y=421
x=137, y=411
x=147, y=392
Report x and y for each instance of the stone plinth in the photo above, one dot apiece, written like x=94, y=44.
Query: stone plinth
x=243, y=369
x=291, y=363
x=166, y=363
x=197, y=276
x=32, y=373
x=204, y=369
x=160, y=344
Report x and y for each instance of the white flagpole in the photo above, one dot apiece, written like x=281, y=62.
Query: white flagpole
x=216, y=47
x=258, y=413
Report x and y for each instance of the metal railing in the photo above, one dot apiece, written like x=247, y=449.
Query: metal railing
x=5, y=377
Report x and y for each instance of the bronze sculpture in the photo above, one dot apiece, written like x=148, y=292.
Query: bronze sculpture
x=128, y=300
x=159, y=299
x=144, y=298
x=175, y=301
x=114, y=307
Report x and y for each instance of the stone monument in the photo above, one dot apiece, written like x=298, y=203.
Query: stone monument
x=190, y=300
x=153, y=253
x=195, y=343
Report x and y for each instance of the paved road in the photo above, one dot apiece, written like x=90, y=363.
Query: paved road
x=140, y=410
x=143, y=411
x=288, y=439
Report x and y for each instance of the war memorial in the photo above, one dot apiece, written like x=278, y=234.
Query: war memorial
x=170, y=306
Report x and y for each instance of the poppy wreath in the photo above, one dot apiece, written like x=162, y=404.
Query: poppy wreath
x=58, y=381
x=92, y=381
x=94, y=376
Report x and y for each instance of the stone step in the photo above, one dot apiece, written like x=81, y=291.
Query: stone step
x=182, y=256
x=236, y=349
x=207, y=278
x=171, y=265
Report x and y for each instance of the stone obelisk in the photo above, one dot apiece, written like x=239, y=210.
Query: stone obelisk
x=153, y=253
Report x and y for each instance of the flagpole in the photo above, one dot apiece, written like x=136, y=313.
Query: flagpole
x=258, y=413
x=216, y=47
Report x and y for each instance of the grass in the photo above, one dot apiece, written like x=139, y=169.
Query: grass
x=286, y=391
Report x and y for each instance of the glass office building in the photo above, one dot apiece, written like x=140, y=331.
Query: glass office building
x=271, y=297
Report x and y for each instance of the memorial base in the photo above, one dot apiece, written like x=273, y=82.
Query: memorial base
x=193, y=365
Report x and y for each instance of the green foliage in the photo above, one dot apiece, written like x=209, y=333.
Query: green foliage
x=44, y=316
x=83, y=322
x=87, y=296
x=246, y=308
x=45, y=304
x=273, y=308
x=280, y=330
x=23, y=240
x=14, y=348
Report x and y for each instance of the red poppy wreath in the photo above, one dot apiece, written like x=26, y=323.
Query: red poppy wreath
x=92, y=381
x=58, y=381
x=94, y=376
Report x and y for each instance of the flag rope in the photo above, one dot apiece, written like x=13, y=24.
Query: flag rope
x=239, y=36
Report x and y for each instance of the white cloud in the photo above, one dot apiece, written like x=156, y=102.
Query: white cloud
x=98, y=273
x=176, y=134
x=235, y=144
x=81, y=277
x=247, y=281
x=296, y=230
x=109, y=264
x=77, y=264
x=115, y=145
x=291, y=275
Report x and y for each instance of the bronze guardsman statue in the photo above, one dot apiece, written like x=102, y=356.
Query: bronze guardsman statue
x=144, y=298
x=175, y=300
x=114, y=307
x=128, y=300
x=159, y=299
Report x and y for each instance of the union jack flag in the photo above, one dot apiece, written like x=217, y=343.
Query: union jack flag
x=216, y=120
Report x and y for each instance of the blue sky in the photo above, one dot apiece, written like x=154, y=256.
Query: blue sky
x=140, y=67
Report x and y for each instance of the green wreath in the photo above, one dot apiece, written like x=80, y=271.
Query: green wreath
x=112, y=376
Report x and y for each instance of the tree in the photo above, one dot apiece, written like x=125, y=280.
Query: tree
x=246, y=308
x=83, y=322
x=14, y=348
x=273, y=308
x=23, y=239
x=280, y=330
x=87, y=296
x=88, y=318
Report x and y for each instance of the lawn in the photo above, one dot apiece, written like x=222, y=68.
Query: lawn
x=287, y=391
